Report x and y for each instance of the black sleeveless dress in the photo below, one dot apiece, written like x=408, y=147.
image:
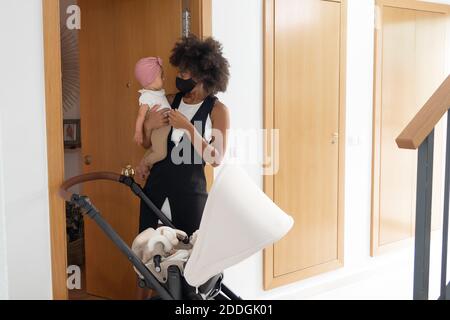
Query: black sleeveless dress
x=180, y=178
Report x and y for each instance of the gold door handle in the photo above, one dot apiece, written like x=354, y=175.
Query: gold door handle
x=88, y=160
x=129, y=171
x=335, y=138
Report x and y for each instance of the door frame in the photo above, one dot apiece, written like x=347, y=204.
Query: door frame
x=55, y=146
x=375, y=248
x=270, y=280
x=55, y=143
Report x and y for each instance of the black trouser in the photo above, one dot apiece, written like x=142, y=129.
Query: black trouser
x=185, y=188
x=186, y=211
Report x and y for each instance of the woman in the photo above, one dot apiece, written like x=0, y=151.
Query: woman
x=199, y=135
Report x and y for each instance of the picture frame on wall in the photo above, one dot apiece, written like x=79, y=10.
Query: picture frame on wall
x=72, y=133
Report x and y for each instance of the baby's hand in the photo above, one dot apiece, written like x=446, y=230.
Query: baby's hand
x=139, y=137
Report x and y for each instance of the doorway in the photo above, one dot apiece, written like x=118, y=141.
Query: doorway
x=305, y=100
x=410, y=64
x=114, y=34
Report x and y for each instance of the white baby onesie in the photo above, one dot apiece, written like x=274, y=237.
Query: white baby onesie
x=152, y=98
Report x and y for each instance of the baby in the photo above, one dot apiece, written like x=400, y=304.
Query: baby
x=149, y=73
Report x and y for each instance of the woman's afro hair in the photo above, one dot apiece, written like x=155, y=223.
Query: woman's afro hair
x=204, y=60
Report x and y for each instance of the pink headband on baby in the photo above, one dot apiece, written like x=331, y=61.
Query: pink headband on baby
x=147, y=69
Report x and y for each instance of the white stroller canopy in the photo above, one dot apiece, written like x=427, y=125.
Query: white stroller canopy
x=238, y=221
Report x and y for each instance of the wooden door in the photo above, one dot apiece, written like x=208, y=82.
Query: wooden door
x=411, y=58
x=308, y=110
x=114, y=35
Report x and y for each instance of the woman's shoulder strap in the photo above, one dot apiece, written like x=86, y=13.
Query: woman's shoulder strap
x=205, y=109
x=210, y=103
x=177, y=100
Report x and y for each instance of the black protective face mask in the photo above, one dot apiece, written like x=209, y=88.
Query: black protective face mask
x=185, y=86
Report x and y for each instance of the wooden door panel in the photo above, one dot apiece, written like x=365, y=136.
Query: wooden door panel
x=114, y=35
x=397, y=182
x=306, y=111
x=412, y=65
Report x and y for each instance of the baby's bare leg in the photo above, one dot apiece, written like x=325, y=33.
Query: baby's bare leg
x=158, y=151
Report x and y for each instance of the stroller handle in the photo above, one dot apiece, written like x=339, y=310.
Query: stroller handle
x=94, y=214
x=64, y=189
x=122, y=179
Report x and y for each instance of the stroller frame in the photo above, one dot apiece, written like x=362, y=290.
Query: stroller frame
x=173, y=290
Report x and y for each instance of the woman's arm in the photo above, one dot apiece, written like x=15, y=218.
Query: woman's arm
x=213, y=153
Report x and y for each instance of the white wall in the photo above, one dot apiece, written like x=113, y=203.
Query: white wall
x=237, y=25
x=3, y=267
x=24, y=218
x=359, y=106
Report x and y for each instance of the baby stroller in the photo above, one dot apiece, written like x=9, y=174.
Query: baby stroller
x=238, y=221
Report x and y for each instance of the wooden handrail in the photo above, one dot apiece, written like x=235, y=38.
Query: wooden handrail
x=428, y=117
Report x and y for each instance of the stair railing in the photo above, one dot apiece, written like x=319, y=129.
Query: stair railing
x=419, y=134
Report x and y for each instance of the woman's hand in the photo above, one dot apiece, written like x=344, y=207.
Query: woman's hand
x=156, y=119
x=178, y=120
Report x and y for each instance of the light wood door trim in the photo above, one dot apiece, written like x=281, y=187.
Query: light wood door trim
x=55, y=143
x=270, y=281
x=414, y=5
x=376, y=249
x=201, y=11
x=55, y=146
